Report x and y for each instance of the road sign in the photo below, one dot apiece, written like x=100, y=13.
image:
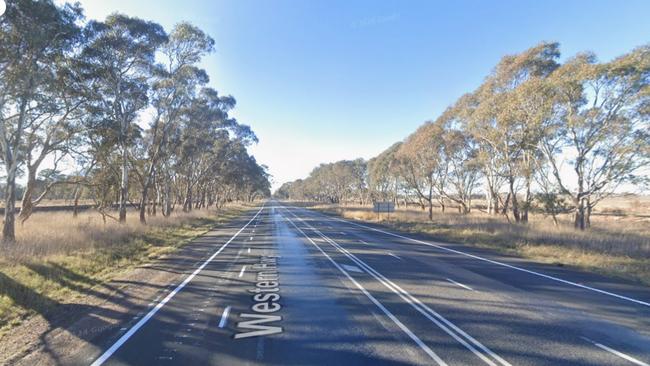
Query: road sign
x=384, y=207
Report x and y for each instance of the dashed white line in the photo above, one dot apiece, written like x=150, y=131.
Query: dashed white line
x=460, y=284
x=241, y=273
x=249, y=251
x=615, y=352
x=390, y=315
x=224, y=317
x=363, y=242
x=394, y=256
x=350, y=268
x=251, y=238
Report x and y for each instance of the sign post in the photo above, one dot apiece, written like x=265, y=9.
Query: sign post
x=386, y=207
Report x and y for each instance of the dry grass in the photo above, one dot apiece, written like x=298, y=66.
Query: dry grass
x=618, y=246
x=58, y=258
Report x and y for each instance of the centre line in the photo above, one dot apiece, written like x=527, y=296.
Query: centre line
x=224, y=317
x=460, y=284
x=249, y=250
x=241, y=273
x=393, y=255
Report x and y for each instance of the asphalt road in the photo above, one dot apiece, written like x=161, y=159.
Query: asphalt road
x=296, y=287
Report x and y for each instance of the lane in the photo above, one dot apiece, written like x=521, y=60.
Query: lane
x=269, y=300
x=524, y=325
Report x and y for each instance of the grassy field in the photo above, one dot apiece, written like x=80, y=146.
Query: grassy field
x=617, y=245
x=58, y=258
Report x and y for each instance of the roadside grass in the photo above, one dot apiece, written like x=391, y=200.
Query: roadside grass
x=618, y=247
x=58, y=259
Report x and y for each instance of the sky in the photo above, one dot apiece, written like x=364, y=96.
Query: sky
x=321, y=81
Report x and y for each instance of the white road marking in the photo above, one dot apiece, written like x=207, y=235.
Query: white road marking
x=109, y=352
x=442, y=247
x=350, y=268
x=241, y=273
x=393, y=255
x=249, y=250
x=343, y=233
x=444, y=324
x=460, y=284
x=224, y=317
x=251, y=238
x=392, y=317
x=615, y=352
x=363, y=242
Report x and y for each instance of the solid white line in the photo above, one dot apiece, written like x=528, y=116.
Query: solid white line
x=615, y=352
x=423, y=309
x=224, y=317
x=109, y=352
x=393, y=255
x=390, y=315
x=460, y=284
x=442, y=247
x=241, y=273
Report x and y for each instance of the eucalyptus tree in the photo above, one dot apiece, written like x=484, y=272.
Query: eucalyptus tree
x=120, y=53
x=602, y=123
x=174, y=85
x=422, y=162
x=34, y=36
x=383, y=174
x=502, y=128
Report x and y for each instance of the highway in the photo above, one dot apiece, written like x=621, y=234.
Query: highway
x=292, y=286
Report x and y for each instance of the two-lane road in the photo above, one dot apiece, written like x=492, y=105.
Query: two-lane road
x=294, y=286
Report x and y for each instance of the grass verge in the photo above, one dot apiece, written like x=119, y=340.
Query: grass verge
x=54, y=262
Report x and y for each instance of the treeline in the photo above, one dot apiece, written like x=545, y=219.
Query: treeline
x=559, y=137
x=117, y=111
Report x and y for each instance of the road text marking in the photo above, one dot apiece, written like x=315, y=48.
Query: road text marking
x=224, y=317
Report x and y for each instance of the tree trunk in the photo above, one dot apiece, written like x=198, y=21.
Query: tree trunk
x=75, y=205
x=513, y=199
x=124, y=185
x=8, y=228
x=430, y=203
x=26, y=206
x=143, y=204
x=579, y=218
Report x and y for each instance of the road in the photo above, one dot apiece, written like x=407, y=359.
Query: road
x=296, y=287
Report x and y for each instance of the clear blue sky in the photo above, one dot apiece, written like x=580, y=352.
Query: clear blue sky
x=327, y=80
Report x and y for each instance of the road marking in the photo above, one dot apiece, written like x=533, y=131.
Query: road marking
x=251, y=238
x=442, y=247
x=241, y=273
x=249, y=251
x=364, y=242
x=460, y=284
x=224, y=317
x=393, y=255
x=423, y=309
x=351, y=268
x=615, y=352
x=343, y=233
x=109, y=352
x=390, y=315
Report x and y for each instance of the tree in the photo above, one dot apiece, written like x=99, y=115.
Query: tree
x=173, y=88
x=602, y=124
x=120, y=54
x=34, y=36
